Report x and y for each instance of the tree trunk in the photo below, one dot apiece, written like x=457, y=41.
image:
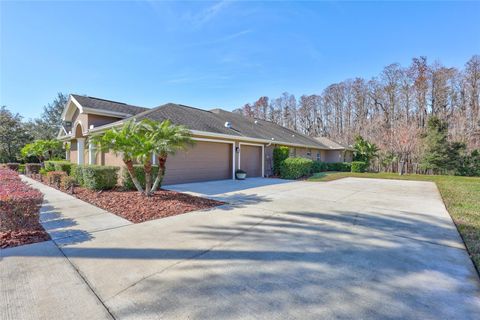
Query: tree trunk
x=131, y=171
x=162, y=159
x=147, y=167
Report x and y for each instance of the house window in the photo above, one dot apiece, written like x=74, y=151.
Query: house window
x=318, y=156
x=309, y=153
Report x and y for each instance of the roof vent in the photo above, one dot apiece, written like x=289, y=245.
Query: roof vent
x=273, y=138
x=228, y=124
x=293, y=135
x=256, y=122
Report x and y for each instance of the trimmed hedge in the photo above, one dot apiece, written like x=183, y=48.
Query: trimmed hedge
x=19, y=203
x=339, y=166
x=359, y=166
x=55, y=177
x=294, y=168
x=319, y=166
x=32, y=168
x=279, y=155
x=68, y=182
x=127, y=182
x=58, y=165
x=97, y=177
x=49, y=166
x=77, y=173
x=13, y=166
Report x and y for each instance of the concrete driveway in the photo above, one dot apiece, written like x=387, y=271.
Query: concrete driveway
x=351, y=248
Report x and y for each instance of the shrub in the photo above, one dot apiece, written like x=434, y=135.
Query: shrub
x=127, y=180
x=279, y=155
x=49, y=165
x=318, y=166
x=294, y=168
x=13, y=166
x=58, y=165
x=21, y=168
x=55, y=177
x=99, y=177
x=65, y=166
x=68, y=182
x=339, y=166
x=77, y=173
x=19, y=203
x=359, y=166
x=32, y=168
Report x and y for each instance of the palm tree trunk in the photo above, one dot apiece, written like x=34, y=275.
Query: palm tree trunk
x=131, y=171
x=147, y=167
x=162, y=159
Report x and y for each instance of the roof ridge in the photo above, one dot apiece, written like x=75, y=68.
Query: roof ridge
x=107, y=100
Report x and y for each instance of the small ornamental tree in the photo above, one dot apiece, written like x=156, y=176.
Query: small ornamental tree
x=41, y=149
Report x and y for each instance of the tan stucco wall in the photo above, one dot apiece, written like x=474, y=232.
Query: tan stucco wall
x=334, y=156
x=98, y=120
x=91, y=119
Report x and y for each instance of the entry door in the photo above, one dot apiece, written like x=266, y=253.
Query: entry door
x=251, y=160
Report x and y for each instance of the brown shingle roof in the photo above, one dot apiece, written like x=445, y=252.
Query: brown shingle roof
x=107, y=105
x=209, y=121
x=331, y=144
x=214, y=121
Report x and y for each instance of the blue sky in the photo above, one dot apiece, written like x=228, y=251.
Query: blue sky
x=216, y=54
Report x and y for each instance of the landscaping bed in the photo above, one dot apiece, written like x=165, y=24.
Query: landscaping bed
x=19, y=212
x=23, y=236
x=137, y=208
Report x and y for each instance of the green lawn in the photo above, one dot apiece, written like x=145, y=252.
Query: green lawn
x=460, y=194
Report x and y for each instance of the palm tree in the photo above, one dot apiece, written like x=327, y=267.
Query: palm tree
x=167, y=138
x=130, y=142
x=364, y=150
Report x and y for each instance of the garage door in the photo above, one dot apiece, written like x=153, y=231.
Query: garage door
x=251, y=160
x=203, y=162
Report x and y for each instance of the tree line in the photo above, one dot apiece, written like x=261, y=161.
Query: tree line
x=390, y=110
x=15, y=133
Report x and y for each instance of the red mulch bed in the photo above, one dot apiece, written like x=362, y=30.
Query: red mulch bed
x=137, y=208
x=20, y=237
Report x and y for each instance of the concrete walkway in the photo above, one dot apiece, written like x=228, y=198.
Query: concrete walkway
x=352, y=248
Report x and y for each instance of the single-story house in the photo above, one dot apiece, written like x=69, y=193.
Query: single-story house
x=225, y=141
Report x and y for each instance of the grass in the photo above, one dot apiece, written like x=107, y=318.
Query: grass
x=461, y=196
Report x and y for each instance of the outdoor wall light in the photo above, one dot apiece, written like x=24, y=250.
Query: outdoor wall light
x=237, y=149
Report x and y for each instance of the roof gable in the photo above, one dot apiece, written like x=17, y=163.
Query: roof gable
x=107, y=106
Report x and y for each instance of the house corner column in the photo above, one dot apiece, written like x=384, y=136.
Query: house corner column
x=81, y=150
x=91, y=153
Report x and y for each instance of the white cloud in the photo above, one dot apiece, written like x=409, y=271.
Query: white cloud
x=204, y=16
